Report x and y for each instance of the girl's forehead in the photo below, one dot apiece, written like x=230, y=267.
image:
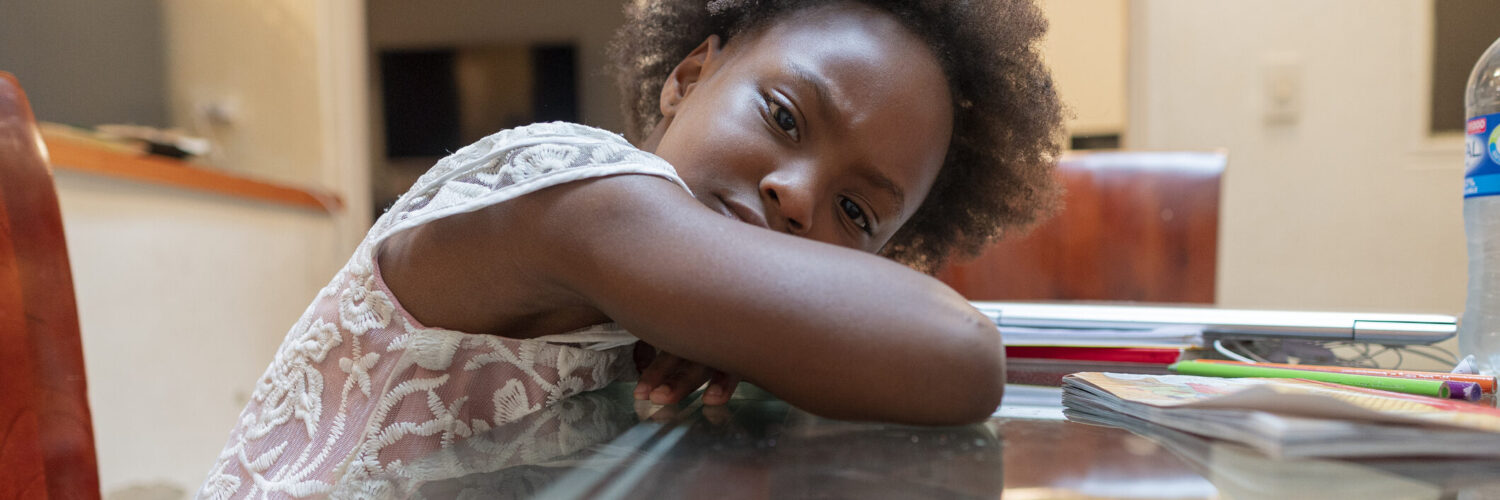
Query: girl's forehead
x=868, y=48
x=865, y=45
x=852, y=24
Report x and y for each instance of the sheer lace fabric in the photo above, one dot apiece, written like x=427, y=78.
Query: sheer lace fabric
x=514, y=460
x=359, y=389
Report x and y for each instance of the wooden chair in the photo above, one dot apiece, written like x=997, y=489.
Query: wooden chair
x=46, y=434
x=1137, y=226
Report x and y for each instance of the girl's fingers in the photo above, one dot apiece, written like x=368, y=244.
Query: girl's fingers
x=656, y=373
x=668, y=379
x=686, y=378
x=720, y=388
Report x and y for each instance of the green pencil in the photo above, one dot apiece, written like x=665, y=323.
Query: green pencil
x=1435, y=388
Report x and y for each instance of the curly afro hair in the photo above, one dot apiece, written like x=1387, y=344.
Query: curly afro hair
x=1007, y=119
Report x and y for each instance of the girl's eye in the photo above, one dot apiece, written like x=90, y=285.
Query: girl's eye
x=783, y=118
x=855, y=214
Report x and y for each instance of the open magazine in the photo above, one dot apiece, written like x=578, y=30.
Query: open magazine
x=1289, y=418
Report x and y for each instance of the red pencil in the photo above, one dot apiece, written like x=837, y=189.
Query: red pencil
x=1153, y=355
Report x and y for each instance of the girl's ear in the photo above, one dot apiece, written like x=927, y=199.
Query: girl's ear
x=688, y=73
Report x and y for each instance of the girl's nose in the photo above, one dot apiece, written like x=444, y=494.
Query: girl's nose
x=791, y=200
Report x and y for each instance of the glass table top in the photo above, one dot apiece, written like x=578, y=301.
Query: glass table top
x=604, y=444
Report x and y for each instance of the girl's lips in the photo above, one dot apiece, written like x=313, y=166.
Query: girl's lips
x=743, y=213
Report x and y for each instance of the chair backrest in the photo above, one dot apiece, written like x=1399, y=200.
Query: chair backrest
x=1136, y=226
x=46, y=433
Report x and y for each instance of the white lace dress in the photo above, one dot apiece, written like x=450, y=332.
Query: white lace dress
x=359, y=389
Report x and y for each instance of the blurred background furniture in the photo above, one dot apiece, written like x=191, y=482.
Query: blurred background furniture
x=46, y=434
x=1136, y=226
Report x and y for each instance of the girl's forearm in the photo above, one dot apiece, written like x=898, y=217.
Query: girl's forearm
x=839, y=332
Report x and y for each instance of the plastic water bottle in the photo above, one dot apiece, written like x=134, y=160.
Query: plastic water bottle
x=1479, y=332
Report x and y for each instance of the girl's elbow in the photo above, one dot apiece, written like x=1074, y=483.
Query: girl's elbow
x=987, y=375
x=977, y=405
x=992, y=393
x=975, y=380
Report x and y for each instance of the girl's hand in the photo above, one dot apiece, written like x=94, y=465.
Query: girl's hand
x=668, y=378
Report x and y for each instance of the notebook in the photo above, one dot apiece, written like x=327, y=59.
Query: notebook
x=1288, y=417
x=1215, y=323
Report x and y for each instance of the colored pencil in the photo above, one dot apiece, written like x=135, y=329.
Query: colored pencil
x=1435, y=388
x=1486, y=383
x=1151, y=355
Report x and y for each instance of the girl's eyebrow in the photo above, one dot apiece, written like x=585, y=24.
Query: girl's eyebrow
x=885, y=185
x=804, y=76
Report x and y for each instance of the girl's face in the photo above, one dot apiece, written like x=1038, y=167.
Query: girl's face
x=831, y=124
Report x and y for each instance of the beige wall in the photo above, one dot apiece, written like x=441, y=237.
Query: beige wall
x=1085, y=48
x=1350, y=206
x=259, y=59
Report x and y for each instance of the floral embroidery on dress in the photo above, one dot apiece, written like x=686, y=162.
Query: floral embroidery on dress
x=361, y=308
x=359, y=389
x=428, y=348
x=545, y=158
x=293, y=386
x=511, y=402
x=359, y=370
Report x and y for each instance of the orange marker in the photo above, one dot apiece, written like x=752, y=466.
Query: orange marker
x=1486, y=384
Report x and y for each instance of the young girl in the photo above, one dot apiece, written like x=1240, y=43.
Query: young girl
x=781, y=146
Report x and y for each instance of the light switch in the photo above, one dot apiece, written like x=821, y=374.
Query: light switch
x=220, y=112
x=1281, y=89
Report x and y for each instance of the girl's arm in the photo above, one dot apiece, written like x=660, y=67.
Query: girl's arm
x=838, y=332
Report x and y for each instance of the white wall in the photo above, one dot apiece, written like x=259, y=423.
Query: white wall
x=1351, y=206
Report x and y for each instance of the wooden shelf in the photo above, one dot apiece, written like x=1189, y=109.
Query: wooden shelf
x=82, y=155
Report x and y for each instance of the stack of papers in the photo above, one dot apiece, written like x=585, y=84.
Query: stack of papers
x=1287, y=418
x=1170, y=337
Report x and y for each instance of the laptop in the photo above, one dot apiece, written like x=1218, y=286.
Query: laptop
x=1215, y=323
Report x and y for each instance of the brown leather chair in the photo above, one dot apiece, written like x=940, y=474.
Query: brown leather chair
x=1136, y=226
x=46, y=434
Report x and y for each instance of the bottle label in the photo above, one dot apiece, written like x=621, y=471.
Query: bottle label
x=1482, y=156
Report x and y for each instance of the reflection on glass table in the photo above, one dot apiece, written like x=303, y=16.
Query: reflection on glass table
x=604, y=444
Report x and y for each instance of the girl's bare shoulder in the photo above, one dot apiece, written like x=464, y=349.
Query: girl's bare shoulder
x=503, y=269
